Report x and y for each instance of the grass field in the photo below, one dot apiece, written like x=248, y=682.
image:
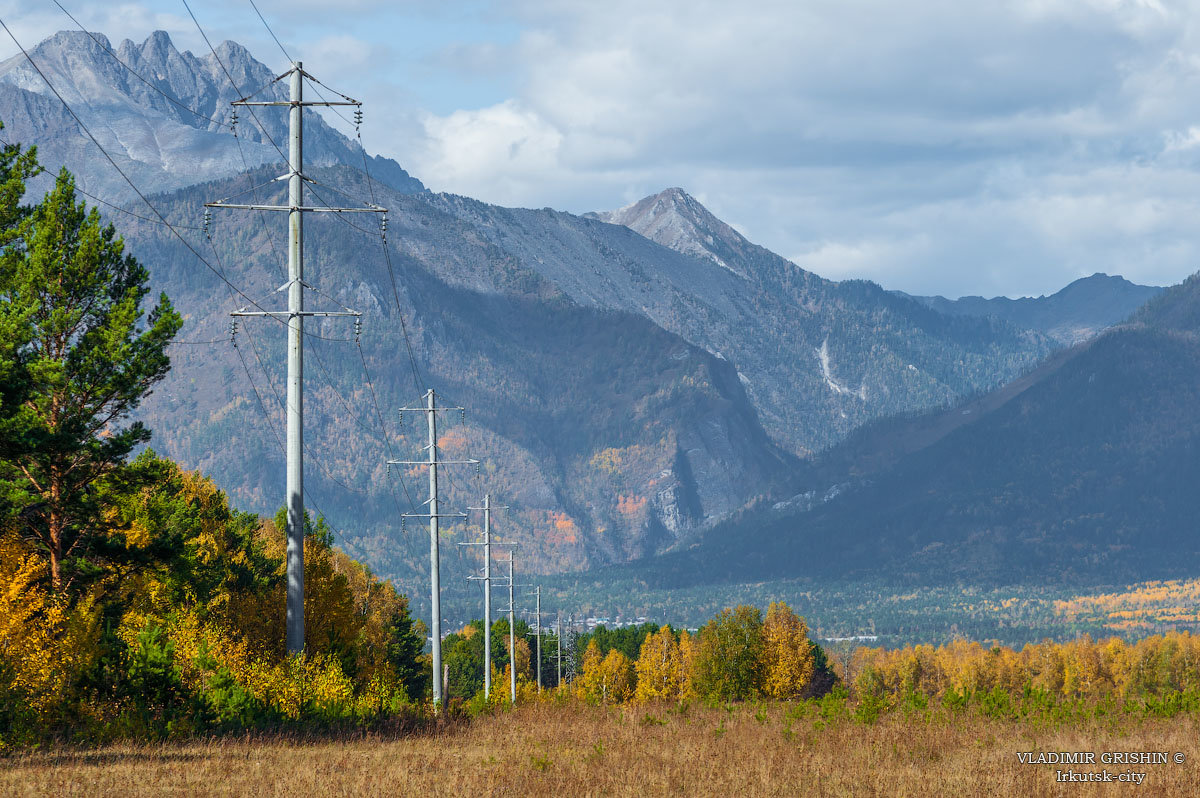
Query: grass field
x=571, y=750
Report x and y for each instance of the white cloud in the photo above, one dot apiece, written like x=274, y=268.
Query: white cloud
x=932, y=145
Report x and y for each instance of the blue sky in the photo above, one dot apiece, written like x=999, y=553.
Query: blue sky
x=933, y=146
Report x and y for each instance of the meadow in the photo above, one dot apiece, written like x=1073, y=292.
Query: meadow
x=568, y=748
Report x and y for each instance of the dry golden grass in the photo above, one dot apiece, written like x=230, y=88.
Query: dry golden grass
x=569, y=751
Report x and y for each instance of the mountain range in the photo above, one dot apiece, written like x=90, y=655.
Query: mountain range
x=1073, y=315
x=1076, y=475
x=632, y=379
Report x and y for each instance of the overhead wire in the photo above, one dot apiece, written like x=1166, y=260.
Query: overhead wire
x=134, y=72
x=233, y=82
x=174, y=230
x=116, y=207
x=416, y=373
x=382, y=425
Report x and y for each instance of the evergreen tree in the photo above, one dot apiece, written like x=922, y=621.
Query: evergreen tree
x=16, y=166
x=85, y=357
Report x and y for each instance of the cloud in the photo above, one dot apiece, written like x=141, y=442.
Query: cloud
x=931, y=145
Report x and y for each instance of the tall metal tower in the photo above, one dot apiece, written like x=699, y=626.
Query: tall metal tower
x=435, y=576
x=295, y=330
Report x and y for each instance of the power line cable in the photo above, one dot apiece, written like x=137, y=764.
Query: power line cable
x=416, y=373
x=133, y=72
x=121, y=172
x=233, y=82
x=286, y=54
x=383, y=427
x=115, y=207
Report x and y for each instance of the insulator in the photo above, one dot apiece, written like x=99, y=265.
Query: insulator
x=403, y=525
x=207, y=220
x=383, y=225
x=357, y=328
x=233, y=120
x=463, y=413
x=400, y=413
x=358, y=117
x=389, y=469
x=233, y=325
x=479, y=467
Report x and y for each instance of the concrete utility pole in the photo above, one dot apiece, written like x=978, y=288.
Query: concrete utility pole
x=435, y=576
x=559, y=648
x=487, y=589
x=295, y=335
x=538, y=591
x=512, y=634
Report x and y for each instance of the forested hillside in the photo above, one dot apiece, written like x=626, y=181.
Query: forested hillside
x=1075, y=476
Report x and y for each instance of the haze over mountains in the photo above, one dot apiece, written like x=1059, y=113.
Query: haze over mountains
x=633, y=378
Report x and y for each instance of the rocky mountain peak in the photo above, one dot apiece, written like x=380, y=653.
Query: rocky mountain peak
x=678, y=221
x=160, y=113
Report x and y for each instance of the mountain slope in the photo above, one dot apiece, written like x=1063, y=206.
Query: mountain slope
x=1074, y=314
x=159, y=144
x=819, y=358
x=609, y=437
x=1080, y=475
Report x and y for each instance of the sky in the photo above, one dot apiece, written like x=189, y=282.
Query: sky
x=933, y=146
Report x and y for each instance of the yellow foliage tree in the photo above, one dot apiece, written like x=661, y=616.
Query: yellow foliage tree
x=616, y=678
x=687, y=659
x=523, y=659
x=658, y=667
x=606, y=680
x=30, y=623
x=787, y=653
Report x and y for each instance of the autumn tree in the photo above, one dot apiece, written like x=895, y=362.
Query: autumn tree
x=659, y=671
x=787, y=653
x=88, y=354
x=616, y=678
x=728, y=659
x=687, y=665
x=606, y=679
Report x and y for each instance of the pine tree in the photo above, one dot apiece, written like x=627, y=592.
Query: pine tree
x=88, y=356
x=16, y=166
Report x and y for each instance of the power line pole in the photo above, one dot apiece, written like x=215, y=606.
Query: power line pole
x=295, y=334
x=560, y=648
x=512, y=634
x=487, y=589
x=435, y=576
x=539, y=637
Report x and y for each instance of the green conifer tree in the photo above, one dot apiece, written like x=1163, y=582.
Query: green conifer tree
x=85, y=357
